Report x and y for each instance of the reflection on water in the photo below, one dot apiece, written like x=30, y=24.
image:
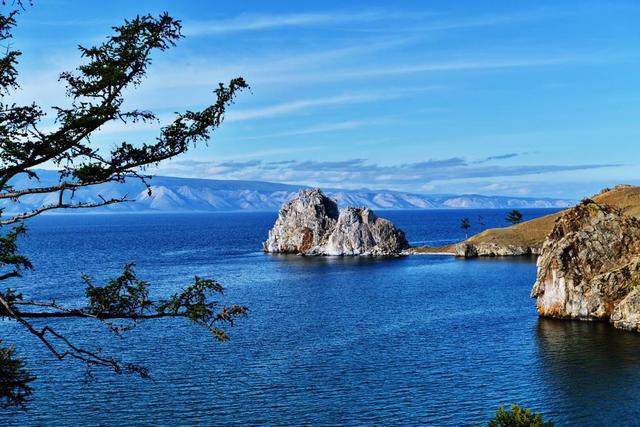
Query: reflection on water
x=329, y=340
x=311, y=261
x=590, y=368
x=511, y=260
x=314, y=261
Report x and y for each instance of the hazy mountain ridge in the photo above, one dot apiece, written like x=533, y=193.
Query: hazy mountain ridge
x=171, y=194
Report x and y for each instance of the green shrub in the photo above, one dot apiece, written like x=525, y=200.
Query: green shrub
x=517, y=416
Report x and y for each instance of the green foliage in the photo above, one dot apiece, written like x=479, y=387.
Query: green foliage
x=91, y=172
x=8, y=62
x=96, y=90
x=11, y=262
x=465, y=224
x=514, y=217
x=14, y=379
x=11, y=296
x=124, y=295
x=195, y=304
x=127, y=297
x=518, y=416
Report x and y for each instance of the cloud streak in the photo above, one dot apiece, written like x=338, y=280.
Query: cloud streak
x=454, y=65
x=295, y=106
x=251, y=23
x=322, y=128
x=265, y=22
x=359, y=172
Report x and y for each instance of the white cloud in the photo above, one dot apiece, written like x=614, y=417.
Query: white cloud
x=321, y=128
x=465, y=64
x=407, y=21
x=360, y=172
x=245, y=23
x=303, y=104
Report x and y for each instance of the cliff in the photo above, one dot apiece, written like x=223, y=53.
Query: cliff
x=589, y=267
x=311, y=224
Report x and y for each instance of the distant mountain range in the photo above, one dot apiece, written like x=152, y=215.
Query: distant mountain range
x=171, y=194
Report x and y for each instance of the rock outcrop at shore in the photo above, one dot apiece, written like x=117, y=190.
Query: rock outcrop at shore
x=589, y=267
x=311, y=224
x=489, y=249
x=527, y=238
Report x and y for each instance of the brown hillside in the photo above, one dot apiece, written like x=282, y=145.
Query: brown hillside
x=625, y=197
x=533, y=233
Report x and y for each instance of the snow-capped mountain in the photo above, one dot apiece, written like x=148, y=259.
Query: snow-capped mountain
x=171, y=194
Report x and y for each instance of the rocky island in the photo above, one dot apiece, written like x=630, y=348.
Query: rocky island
x=310, y=224
x=589, y=256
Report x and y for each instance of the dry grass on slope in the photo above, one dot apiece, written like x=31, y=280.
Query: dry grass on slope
x=533, y=233
x=625, y=197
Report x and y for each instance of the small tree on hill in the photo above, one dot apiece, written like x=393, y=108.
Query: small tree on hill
x=96, y=91
x=465, y=224
x=514, y=217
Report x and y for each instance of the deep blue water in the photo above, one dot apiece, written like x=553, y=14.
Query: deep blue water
x=412, y=340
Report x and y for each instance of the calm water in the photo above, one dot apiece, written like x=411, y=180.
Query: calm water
x=413, y=340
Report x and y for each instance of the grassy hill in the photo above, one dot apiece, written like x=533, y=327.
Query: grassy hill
x=533, y=233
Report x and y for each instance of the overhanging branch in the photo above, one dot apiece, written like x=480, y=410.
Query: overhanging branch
x=61, y=205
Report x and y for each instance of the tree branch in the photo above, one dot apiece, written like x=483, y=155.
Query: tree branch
x=82, y=314
x=88, y=357
x=16, y=194
x=62, y=205
x=96, y=90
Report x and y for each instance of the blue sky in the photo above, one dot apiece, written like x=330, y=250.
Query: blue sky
x=513, y=98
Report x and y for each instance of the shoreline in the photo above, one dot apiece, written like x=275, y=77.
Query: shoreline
x=440, y=253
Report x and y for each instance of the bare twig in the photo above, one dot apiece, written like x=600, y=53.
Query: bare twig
x=61, y=205
x=86, y=356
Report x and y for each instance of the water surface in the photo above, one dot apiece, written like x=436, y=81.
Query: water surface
x=400, y=341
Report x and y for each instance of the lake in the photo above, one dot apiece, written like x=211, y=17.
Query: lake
x=398, y=341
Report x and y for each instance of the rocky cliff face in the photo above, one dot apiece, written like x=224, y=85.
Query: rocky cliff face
x=303, y=225
x=589, y=267
x=489, y=249
x=310, y=224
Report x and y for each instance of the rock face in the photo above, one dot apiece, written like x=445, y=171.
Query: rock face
x=359, y=232
x=310, y=224
x=303, y=224
x=589, y=267
x=488, y=249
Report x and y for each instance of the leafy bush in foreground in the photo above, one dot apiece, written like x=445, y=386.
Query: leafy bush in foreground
x=518, y=416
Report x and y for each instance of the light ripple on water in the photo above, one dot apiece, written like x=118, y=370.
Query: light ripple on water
x=402, y=341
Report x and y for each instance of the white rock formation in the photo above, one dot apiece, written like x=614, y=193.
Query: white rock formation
x=310, y=224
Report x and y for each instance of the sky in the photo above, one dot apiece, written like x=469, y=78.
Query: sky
x=496, y=98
